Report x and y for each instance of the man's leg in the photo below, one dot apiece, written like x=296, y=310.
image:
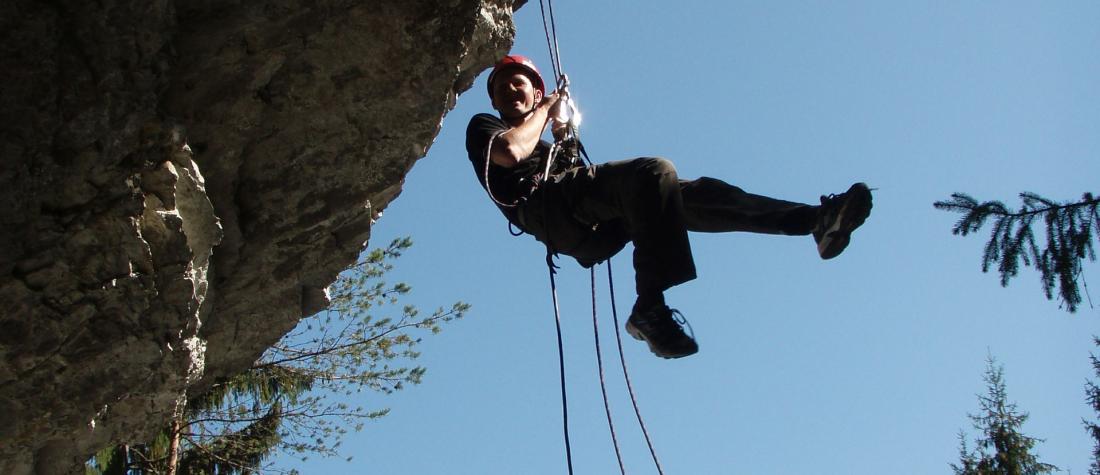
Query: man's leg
x=712, y=205
x=645, y=195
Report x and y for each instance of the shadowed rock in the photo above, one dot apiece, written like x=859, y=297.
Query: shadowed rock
x=182, y=180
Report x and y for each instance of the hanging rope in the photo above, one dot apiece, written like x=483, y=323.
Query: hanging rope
x=561, y=365
x=550, y=29
x=603, y=384
x=552, y=44
x=555, y=64
x=626, y=374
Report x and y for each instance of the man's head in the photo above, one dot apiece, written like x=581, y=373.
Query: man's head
x=515, y=86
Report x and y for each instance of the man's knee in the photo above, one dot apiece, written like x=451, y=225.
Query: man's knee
x=657, y=166
x=656, y=174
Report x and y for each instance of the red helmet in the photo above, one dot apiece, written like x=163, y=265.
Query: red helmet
x=521, y=62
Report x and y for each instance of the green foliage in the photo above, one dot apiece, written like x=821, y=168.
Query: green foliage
x=1068, y=234
x=1092, y=395
x=109, y=461
x=266, y=385
x=1001, y=449
x=293, y=399
x=235, y=452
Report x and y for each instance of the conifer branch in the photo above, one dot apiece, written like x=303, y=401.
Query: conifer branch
x=345, y=344
x=1000, y=446
x=1092, y=396
x=1068, y=231
x=293, y=398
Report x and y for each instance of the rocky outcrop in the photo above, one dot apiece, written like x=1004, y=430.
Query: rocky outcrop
x=181, y=181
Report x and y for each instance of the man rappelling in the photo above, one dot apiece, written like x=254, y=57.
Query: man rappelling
x=591, y=212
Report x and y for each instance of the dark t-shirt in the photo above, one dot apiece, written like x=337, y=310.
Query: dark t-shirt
x=506, y=185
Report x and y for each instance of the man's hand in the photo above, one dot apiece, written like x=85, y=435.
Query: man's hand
x=559, y=121
x=554, y=103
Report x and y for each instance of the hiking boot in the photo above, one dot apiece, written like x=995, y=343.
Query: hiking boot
x=662, y=331
x=838, y=216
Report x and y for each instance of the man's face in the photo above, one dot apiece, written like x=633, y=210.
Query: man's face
x=514, y=95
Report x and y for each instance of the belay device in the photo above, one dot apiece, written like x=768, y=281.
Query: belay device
x=568, y=144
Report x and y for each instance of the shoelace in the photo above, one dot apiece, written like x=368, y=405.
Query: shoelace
x=831, y=197
x=681, y=320
x=830, y=209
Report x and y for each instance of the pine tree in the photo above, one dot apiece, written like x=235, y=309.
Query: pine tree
x=286, y=400
x=1068, y=230
x=1092, y=395
x=109, y=461
x=1001, y=449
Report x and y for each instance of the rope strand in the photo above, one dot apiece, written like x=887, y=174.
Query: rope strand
x=555, y=63
x=626, y=374
x=561, y=367
x=551, y=44
x=554, y=29
x=603, y=383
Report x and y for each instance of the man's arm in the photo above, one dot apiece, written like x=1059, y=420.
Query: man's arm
x=517, y=143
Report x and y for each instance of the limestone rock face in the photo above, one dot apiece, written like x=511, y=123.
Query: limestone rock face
x=181, y=180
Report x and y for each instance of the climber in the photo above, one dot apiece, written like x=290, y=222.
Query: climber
x=591, y=212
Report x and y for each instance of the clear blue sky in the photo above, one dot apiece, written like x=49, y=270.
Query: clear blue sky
x=866, y=364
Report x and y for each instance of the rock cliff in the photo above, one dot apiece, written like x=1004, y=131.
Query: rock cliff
x=181, y=180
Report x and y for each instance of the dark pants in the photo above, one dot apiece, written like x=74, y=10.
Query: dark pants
x=590, y=213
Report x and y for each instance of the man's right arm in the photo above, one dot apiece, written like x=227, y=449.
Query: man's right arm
x=517, y=143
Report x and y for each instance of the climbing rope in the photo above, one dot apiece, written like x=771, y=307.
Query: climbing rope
x=626, y=374
x=552, y=44
x=555, y=64
x=550, y=29
x=552, y=268
x=599, y=365
x=561, y=365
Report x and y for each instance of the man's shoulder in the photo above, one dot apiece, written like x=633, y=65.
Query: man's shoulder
x=482, y=127
x=486, y=120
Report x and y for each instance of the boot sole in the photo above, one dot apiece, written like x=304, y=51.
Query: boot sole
x=637, y=334
x=836, y=239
